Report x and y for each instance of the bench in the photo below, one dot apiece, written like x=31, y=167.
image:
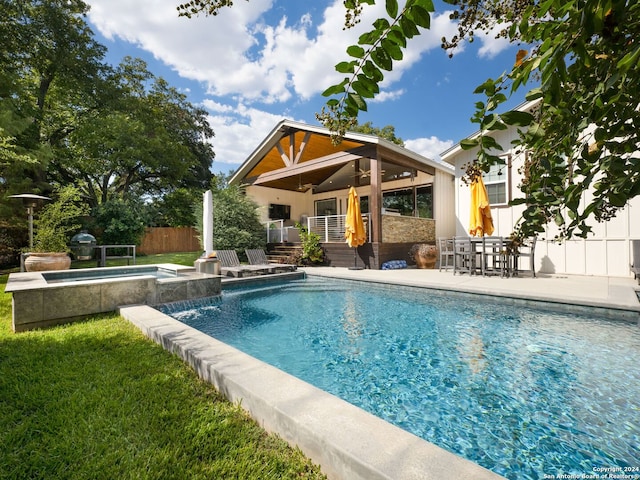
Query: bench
x=103, y=256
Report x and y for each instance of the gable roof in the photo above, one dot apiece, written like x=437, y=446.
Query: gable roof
x=294, y=152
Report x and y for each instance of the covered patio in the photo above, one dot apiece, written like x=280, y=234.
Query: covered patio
x=297, y=175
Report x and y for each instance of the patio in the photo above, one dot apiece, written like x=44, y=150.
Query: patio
x=617, y=296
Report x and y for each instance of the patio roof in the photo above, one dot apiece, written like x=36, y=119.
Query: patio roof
x=296, y=156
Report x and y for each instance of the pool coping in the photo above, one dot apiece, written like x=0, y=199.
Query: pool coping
x=347, y=442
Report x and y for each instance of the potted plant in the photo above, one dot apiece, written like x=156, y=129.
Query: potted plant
x=53, y=227
x=424, y=255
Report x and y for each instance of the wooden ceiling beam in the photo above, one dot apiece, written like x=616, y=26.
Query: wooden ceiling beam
x=311, y=165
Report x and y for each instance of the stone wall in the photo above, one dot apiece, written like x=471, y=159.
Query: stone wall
x=399, y=229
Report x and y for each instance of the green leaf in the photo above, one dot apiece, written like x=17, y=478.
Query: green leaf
x=370, y=70
x=345, y=67
x=358, y=101
x=396, y=36
x=420, y=16
x=534, y=94
x=408, y=27
x=489, y=142
x=356, y=51
x=629, y=60
x=392, y=8
x=362, y=89
x=371, y=85
x=369, y=38
x=382, y=59
x=515, y=117
x=468, y=143
x=392, y=49
x=427, y=5
x=334, y=90
x=382, y=25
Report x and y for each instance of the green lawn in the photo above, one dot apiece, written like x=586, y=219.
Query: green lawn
x=98, y=400
x=186, y=258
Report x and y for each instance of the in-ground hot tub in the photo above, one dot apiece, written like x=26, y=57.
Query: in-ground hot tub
x=42, y=299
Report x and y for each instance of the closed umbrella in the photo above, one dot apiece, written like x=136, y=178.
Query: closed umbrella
x=354, y=229
x=480, y=220
x=207, y=223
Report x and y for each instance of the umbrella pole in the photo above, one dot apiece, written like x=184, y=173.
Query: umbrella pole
x=355, y=260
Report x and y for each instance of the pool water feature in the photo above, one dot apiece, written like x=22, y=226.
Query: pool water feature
x=523, y=392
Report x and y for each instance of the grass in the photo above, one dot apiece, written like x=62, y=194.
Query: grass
x=185, y=258
x=98, y=400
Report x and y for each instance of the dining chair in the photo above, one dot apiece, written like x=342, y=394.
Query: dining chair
x=526, y=249
x=464, y=256
x=494, y=257
x=445, y=247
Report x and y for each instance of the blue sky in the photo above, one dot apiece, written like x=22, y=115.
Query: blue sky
x=265, y=60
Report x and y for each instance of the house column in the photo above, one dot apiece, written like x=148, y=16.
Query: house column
x=375, y=202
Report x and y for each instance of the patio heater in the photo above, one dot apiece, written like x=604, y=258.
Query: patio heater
x=30, y=201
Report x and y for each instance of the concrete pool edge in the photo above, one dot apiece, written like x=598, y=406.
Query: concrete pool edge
x=347, y=442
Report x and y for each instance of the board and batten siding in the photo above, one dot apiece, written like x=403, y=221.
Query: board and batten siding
x=606, y=252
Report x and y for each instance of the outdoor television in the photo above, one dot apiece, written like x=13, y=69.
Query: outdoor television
x=279, y=212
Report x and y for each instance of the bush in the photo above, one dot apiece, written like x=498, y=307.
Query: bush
x=120, y=222
x=57, y=221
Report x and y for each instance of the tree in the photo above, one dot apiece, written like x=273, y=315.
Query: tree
x=146, y=142
x=388, y=132
x=582, y=141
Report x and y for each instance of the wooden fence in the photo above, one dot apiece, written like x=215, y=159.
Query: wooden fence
x=169, y=240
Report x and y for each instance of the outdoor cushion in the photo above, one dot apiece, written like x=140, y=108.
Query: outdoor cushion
x=394, y=265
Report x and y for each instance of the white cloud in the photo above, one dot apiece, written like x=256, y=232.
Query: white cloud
x=430, y=147
x=237, y=53
x=386, y=96
x=492, y=46
x=239, y=130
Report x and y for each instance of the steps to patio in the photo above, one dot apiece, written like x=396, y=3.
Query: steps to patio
x=282, y=252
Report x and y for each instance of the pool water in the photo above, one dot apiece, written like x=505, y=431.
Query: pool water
x=523, y=392
x=69, y=276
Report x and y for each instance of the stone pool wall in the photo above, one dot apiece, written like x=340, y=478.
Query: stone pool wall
x=38, y=304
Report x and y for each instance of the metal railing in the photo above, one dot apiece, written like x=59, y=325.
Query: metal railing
x=330, y=228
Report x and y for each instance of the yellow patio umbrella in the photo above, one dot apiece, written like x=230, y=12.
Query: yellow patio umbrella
x=354, y=228
x=480, y=222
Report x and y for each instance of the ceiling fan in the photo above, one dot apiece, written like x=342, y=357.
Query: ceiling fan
x=303, y=187
x=366, y=173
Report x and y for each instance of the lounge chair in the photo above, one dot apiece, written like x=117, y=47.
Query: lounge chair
x=258, y=257
x=230, y=265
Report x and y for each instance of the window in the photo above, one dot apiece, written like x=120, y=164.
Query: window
x=364, y=204
x=410, y=201
x=496, y=182
x=326, y=207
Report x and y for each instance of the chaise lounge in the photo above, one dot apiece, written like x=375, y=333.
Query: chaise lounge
x=230, y=266
x=258, y=257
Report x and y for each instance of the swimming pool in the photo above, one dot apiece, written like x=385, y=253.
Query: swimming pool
x=523, y=393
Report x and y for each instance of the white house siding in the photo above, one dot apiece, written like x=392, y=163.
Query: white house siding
x=605, y=252
x=444, y=204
